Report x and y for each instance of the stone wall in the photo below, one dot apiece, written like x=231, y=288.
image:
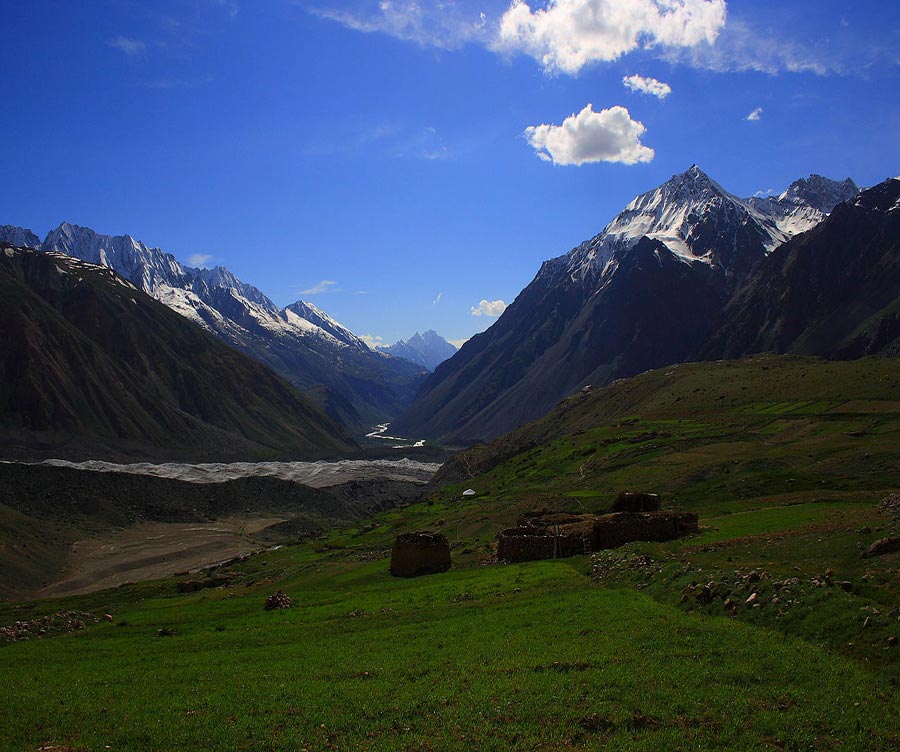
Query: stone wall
x=561, y=536
x=420, y=553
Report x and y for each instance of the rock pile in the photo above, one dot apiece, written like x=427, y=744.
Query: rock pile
x=278, y=599
x=62, y=622
x=420, y=553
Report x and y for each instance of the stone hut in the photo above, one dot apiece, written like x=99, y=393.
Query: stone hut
x=628, y=501
x=560, y=535
x=420, y=553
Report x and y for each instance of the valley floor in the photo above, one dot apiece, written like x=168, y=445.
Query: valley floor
x=153, y=550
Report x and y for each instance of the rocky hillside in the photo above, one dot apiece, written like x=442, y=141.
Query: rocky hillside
x=93, y=366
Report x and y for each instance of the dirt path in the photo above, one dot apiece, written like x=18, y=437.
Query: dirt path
x=154, y=550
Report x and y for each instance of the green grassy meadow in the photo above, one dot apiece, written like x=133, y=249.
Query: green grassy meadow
x=767, y=630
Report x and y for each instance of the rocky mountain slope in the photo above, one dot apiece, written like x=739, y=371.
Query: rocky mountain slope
x=645, y=292
x=358, y=387
x=833, y=291
x=428, y=349
x=93, y=366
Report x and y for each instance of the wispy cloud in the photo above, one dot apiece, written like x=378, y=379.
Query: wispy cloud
x=605, y=136
x=438, y=298
x=755, y=115
x=647, y=85
x=326, y=285
x=199, y=259
x=445, y=25
x=133, y=48
x=766, y=193
x=491, y=308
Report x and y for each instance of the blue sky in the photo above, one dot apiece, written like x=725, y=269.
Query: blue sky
x=397, y=163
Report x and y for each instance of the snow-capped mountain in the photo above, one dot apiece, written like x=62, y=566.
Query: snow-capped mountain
x=301, y=342
x=428, y=349
x=645, y=292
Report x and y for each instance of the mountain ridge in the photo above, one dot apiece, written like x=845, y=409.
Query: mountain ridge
x=644, y=292
x=314, y=352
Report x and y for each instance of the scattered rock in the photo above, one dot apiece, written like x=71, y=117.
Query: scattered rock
x=61, y=622
x=892, y=641
x=754, y=597
x=277, y=600
x=420, y=553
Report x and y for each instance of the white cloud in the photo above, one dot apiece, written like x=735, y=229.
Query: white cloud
x=491, y=308
x=457, y=343
x=755, y=115
x=438, y=298
x=326, y=285
x=566, y=35
x=129, y=47
x=606, y=136
x=372, y=340
x=647, y=85
x=766, y=193
x=199, y=259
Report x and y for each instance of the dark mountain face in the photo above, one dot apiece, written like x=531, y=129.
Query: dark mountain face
x=92, y=366
x=833, y=291
x=645, y=292
x=316, y=354
x=427, y=350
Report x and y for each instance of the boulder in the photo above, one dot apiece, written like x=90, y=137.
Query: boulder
x=420, y=553
x=635, y=502
x=881, y=547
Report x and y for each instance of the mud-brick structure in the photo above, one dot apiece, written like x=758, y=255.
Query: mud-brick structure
x=420, y=553
x=562, y=535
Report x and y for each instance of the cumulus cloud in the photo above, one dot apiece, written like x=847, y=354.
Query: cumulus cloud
x=326, y=285
x=492, y=308
x=606, y=136
x=372, y=340
x=567, y=35
x=755, y=115
x=199, y=259
x=129, y=47
x=647, y=85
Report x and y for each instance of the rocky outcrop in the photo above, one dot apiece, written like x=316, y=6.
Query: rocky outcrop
x=420, y=553
x=881, y=547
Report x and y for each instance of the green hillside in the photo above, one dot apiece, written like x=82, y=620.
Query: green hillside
x=765, y=631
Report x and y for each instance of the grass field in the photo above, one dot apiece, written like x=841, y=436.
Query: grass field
x=767, y=630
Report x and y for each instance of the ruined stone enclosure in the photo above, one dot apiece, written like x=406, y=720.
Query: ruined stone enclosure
x=420, y=553
x=553, y=536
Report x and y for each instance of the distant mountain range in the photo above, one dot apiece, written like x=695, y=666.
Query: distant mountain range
x=685, y=271
x=357, y=387
x=428, y=349
x=91, y=366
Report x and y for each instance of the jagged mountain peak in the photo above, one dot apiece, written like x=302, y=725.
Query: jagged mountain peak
x=427, y=349
x=317, y=317
x=820, y=192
